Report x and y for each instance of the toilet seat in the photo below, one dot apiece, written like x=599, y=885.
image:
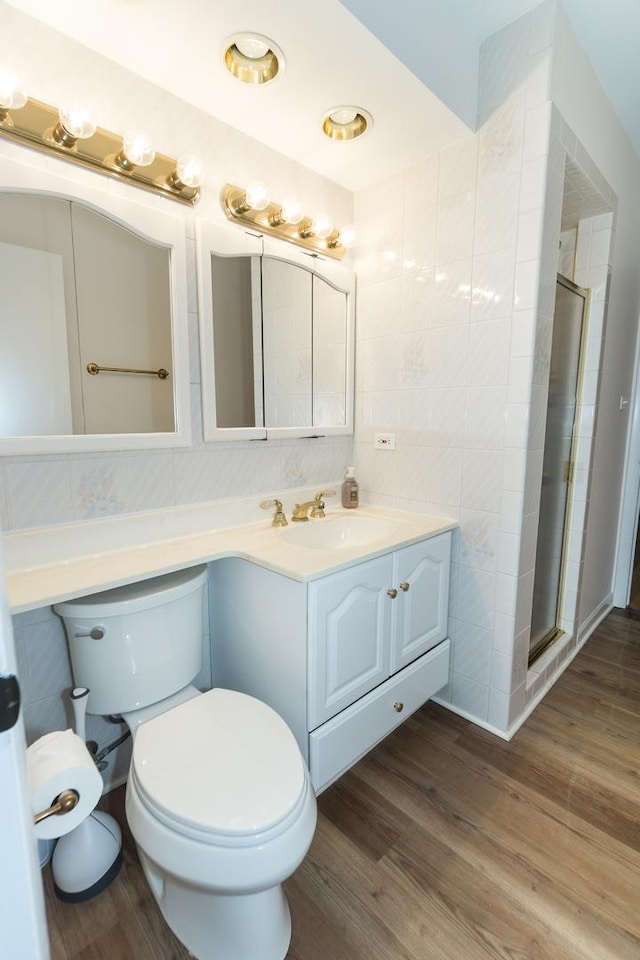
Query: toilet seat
x=222, y=768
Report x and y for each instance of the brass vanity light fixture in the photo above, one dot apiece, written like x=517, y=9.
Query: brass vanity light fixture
x=137, y=150
x=346, y=123
x=252, y=58
x=12, y=96
x=286, y=221
x=71, y=133
x=320, y=226
x=290, y=212
x=74, y=123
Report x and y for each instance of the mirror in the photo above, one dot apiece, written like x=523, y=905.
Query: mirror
x=276, y=339
x=93, y=319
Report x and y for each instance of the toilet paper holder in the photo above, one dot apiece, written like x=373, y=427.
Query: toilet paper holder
x=63, y=803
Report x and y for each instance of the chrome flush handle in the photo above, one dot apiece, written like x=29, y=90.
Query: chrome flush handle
x=96, y=633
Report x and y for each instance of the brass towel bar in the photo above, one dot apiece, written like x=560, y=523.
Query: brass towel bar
x=94, y=369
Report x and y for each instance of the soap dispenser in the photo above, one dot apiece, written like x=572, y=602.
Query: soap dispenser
x=350, y=490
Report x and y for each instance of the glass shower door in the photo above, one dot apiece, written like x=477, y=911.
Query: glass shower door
x=557, y=465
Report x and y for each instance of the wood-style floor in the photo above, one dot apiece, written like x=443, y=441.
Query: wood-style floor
x=446, y=843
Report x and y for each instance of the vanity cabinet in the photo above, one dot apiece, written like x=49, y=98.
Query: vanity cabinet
x=344, y=658
x=369, y=621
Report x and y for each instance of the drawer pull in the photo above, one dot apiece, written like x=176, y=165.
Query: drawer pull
x=405, y=586
x=393, y=593
x=398, y=706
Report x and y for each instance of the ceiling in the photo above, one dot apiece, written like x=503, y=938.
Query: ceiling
x=414, y=69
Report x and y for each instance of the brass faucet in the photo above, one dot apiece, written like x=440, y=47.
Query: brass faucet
x=279, y=519
x=301, y=510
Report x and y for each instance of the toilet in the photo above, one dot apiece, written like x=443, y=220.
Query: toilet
x=218, y=798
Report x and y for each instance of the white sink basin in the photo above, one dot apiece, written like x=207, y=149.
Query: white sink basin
x=335, y=533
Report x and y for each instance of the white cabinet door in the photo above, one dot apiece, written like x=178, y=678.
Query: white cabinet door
x=349, y=630
x=421, y=577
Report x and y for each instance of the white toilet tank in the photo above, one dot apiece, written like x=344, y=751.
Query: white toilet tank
x=136, y=644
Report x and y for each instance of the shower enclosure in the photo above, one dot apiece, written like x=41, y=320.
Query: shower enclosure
x=557, y=468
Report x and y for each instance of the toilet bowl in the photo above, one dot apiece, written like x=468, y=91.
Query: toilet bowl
x=218, y=797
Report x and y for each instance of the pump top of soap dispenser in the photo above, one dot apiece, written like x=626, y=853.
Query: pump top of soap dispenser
x=350, y=473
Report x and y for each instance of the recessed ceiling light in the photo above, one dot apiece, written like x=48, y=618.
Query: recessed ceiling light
x=252, y=58
x=346, y=123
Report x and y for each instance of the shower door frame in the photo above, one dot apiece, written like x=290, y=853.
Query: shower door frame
x=555, y=632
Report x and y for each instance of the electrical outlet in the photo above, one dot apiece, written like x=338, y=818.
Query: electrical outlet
x=384, y=441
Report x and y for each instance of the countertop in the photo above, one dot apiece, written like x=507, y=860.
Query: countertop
x=46, y=565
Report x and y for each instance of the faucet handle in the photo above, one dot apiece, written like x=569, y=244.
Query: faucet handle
x=317, y=510
x=279, y=519
x=325, y=493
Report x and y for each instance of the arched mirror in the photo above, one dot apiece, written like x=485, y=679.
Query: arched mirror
x=276, y=339
x=93, y=319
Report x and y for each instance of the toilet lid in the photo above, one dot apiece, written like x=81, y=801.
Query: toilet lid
x=222, y=762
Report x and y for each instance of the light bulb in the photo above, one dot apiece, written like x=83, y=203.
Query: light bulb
x=252, y=47
x=77, y=121
x=348, y=237
x=252, y=58
x=344, y=115
x=321, y=226
x=291, y=212
x=346, y=123
x=256, y=195
x=189, y=170
x=12, y=96
x=138, y=149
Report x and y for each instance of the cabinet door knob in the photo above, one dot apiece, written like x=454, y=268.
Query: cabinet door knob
x=398, y=706
x=405, y=586
x=392, y=593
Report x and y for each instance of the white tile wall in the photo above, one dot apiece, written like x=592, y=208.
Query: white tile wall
x=486, y=314
x=472, y=652
x=461, y=379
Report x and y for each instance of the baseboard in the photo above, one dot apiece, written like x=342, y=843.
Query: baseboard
x=585, y=630
x=472, y=719
x=594, y=619
x=114, y=784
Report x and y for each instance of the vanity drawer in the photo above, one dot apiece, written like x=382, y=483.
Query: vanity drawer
x=339, y=742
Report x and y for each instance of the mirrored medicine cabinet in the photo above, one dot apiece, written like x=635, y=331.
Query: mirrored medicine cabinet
x=93, y=318
x=277, y=332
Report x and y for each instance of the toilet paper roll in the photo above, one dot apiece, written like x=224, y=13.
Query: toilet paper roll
x=56, y=762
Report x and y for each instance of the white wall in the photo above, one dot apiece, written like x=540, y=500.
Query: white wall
x=583, y=105
x=448, y=271
x=422, y=39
